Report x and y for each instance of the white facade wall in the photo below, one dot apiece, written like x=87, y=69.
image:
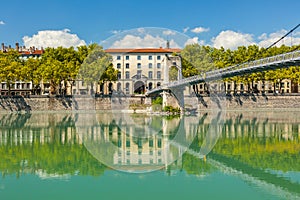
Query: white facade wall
x=139, y=71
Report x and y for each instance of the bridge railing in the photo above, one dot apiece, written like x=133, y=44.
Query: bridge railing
x=218, y=72
x=264, y=61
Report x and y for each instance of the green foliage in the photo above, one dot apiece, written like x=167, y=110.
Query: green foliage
x=93, y=65
x=97, y=67
x=196, y=60
x=157, y=101
x=10, y=67
x=171, y=109
x=59, y=65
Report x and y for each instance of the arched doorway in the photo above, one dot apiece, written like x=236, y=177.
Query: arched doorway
x=139, y=87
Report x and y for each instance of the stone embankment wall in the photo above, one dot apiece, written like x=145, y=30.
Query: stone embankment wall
x=48, y=103
x=231, y=102
x=251, y=102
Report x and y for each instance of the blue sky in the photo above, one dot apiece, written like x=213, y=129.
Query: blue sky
x=231, y=22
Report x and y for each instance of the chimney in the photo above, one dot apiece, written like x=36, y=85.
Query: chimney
x=2, y=46
x=168, y=44
x=17, y=47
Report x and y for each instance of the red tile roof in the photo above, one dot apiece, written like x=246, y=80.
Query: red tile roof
x=35, y=52
x=144, y=50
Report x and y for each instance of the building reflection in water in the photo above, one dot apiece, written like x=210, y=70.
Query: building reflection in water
x=136, y=143
x=139, y=143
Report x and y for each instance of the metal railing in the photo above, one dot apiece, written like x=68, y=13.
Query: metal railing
x=290, y=58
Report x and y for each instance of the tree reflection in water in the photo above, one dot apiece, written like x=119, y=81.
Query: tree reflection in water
x=257, y=145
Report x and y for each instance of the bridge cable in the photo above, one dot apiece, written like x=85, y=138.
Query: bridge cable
x=283, y=37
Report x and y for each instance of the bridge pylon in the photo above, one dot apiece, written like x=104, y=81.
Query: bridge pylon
x=174, y=98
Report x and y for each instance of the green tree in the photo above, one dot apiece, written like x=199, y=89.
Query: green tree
x=59, y=65
x=10, y=67
x=196, y=59
x=30, y=72
x=95, y=65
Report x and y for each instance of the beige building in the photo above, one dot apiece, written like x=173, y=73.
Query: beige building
x=139, y=69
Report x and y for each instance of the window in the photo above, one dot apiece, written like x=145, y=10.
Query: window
x=139, y=74
x=127, y=75
x=150, y=74
x=150, y=58
x=158, y=57
x=139, y=65
x=127, y=57
x=158, y=65
x=159, y=152
x=242, y=86
x=228, y=86
x=127, y=65
x=119, y=75
x=119, y=65
x=159, y=143
x=151, y=143
x=127, y=88
x=119, y=89
x=158, y=75
x=127, y=143
x=282, y=84
x=118, y=57
x=150, y=65
x=139, y=57
x=140, y=143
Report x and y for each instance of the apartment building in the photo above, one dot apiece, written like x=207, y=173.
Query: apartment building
x=139, y=69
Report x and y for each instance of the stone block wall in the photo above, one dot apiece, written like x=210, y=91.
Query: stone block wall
x=231, y=102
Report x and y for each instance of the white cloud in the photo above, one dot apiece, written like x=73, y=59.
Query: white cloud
x=186, y=29
x=194, y=40
x=148, y=41
x=2, y=22
x=231, y=40
x=141, y=30
x=268, y=39
x=115, y=31
x=169, y=32
x=199, y=30
x=53, y=38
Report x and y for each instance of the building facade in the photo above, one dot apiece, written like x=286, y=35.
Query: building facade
x=139, y=69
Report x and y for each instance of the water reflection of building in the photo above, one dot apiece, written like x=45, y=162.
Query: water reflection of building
x=16, y=128
x=130, y=146
x=140, y=151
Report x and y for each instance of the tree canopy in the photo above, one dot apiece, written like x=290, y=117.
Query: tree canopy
x=93, y=65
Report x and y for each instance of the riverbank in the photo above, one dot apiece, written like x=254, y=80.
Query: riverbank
x=143, y=104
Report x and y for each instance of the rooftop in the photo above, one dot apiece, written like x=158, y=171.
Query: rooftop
x=144, y=50
x=23, y=50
